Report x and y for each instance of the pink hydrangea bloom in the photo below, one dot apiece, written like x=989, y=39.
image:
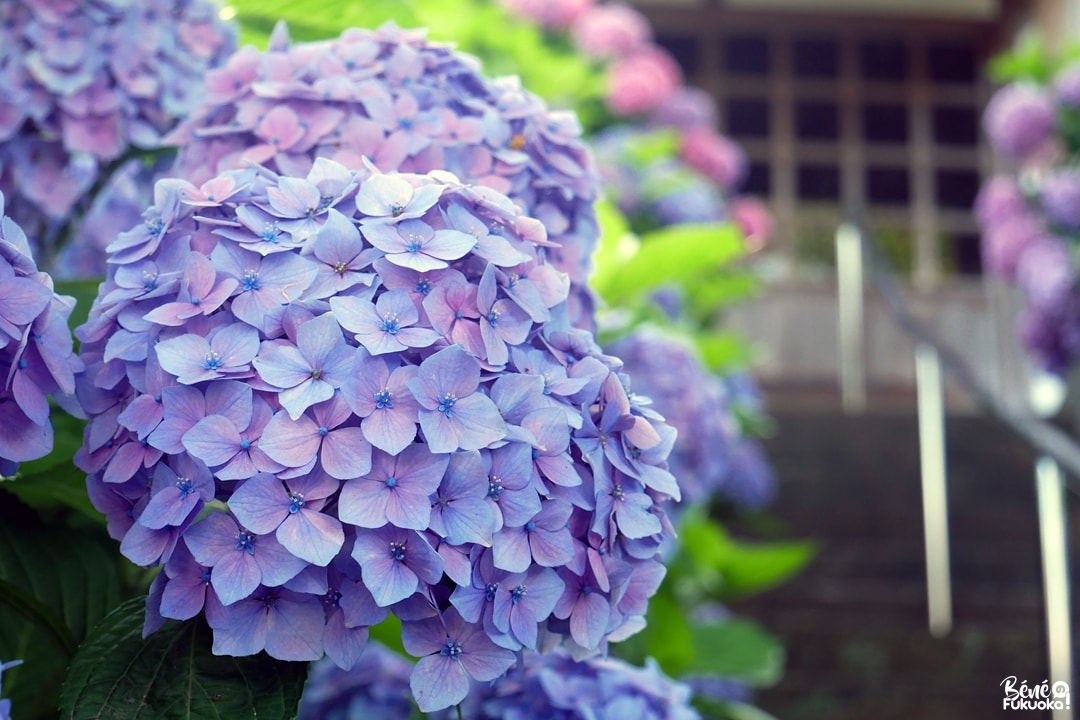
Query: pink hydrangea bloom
x=613, y=30
x=641, y=82
x=754, y=219
x=718, y=158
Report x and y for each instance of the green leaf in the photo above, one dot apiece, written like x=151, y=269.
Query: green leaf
x=716, y=710
x=388, y=632
x=737, y=649
x=173, y=675
x=84, y=292
x=680, y=253
x=723, y=351
x=748, y=567
x=58, y=582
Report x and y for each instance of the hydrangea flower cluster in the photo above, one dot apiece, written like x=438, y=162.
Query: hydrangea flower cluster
x=86, y=83
x=36, y=358
x=557, y=687
x=406, y=104
x=711, y=456
x=368, y=383
x=1030, y=217
x=5, y=705
x=376, y=688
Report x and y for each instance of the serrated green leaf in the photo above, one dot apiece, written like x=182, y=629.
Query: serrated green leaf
x=173, y=675
x=737, y=649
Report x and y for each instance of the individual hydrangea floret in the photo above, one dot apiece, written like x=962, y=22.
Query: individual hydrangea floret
x=295, y=468
x=86, y=85
x=393, y=98
x=642, y=81
x=710, y=456
x=36, y=358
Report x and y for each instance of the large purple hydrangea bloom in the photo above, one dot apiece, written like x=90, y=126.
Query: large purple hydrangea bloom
x=85, y=84
x=36, y=358
x=405, y=104
x=321, y=399
x=711, y=456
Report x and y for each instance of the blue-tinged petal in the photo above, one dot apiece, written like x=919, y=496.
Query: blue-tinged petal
x=363, y=503
x=345, y=453
x=312, y=536
x=294, y=628
x=478, y=422
x=437, y=682
x=589, y=620
x=293, y=443
x=260, y=503
x=241, y=630
x=235, y=576
x=214, y=440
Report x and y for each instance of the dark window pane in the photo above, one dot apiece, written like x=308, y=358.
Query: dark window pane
x=884, y=60
x=956, y=126
x=685, y=49
x=952, y=63
x=887, y=186
x=746, y=54
x=885, y=123
x=818, y=182
x=816, y=120
x=758, y=180
x=747, y=117
x=816, y=57
x=966, y=253
x=956, y=188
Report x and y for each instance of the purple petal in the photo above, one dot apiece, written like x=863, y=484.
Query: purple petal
x=260, y=504
x=437, y=682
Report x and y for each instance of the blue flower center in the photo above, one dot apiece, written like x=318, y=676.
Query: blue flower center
x=317, y=374
x=390, y=324
x=446, y=403
x=391, y=482
x=489, y=591
x=245, y=541
x=397, y=551
x=296, y=502
x=383, y=400
x=517, y=594
x=340, y=267
x=535, y=453
x=452, y=649
x=405, y=123
x=495, y=487
x=493, y=317
x=324, y=431
x=157, y=397
x=204, y=577
x=396, y=209
x=423, y=287
x=414, y=244
x=154, y=226
x=245, y=444
x=530, y=526
x=23, y=364
x=270, y=233
x=617, y=493
x=184, y=486
x=212, y=361
x=195, y=301
x=587, y=590
x=250, y=281
x=332, y=598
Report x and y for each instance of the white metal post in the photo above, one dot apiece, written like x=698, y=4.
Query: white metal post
x=849, y=273
x=931, y=406
x=1050, y=490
